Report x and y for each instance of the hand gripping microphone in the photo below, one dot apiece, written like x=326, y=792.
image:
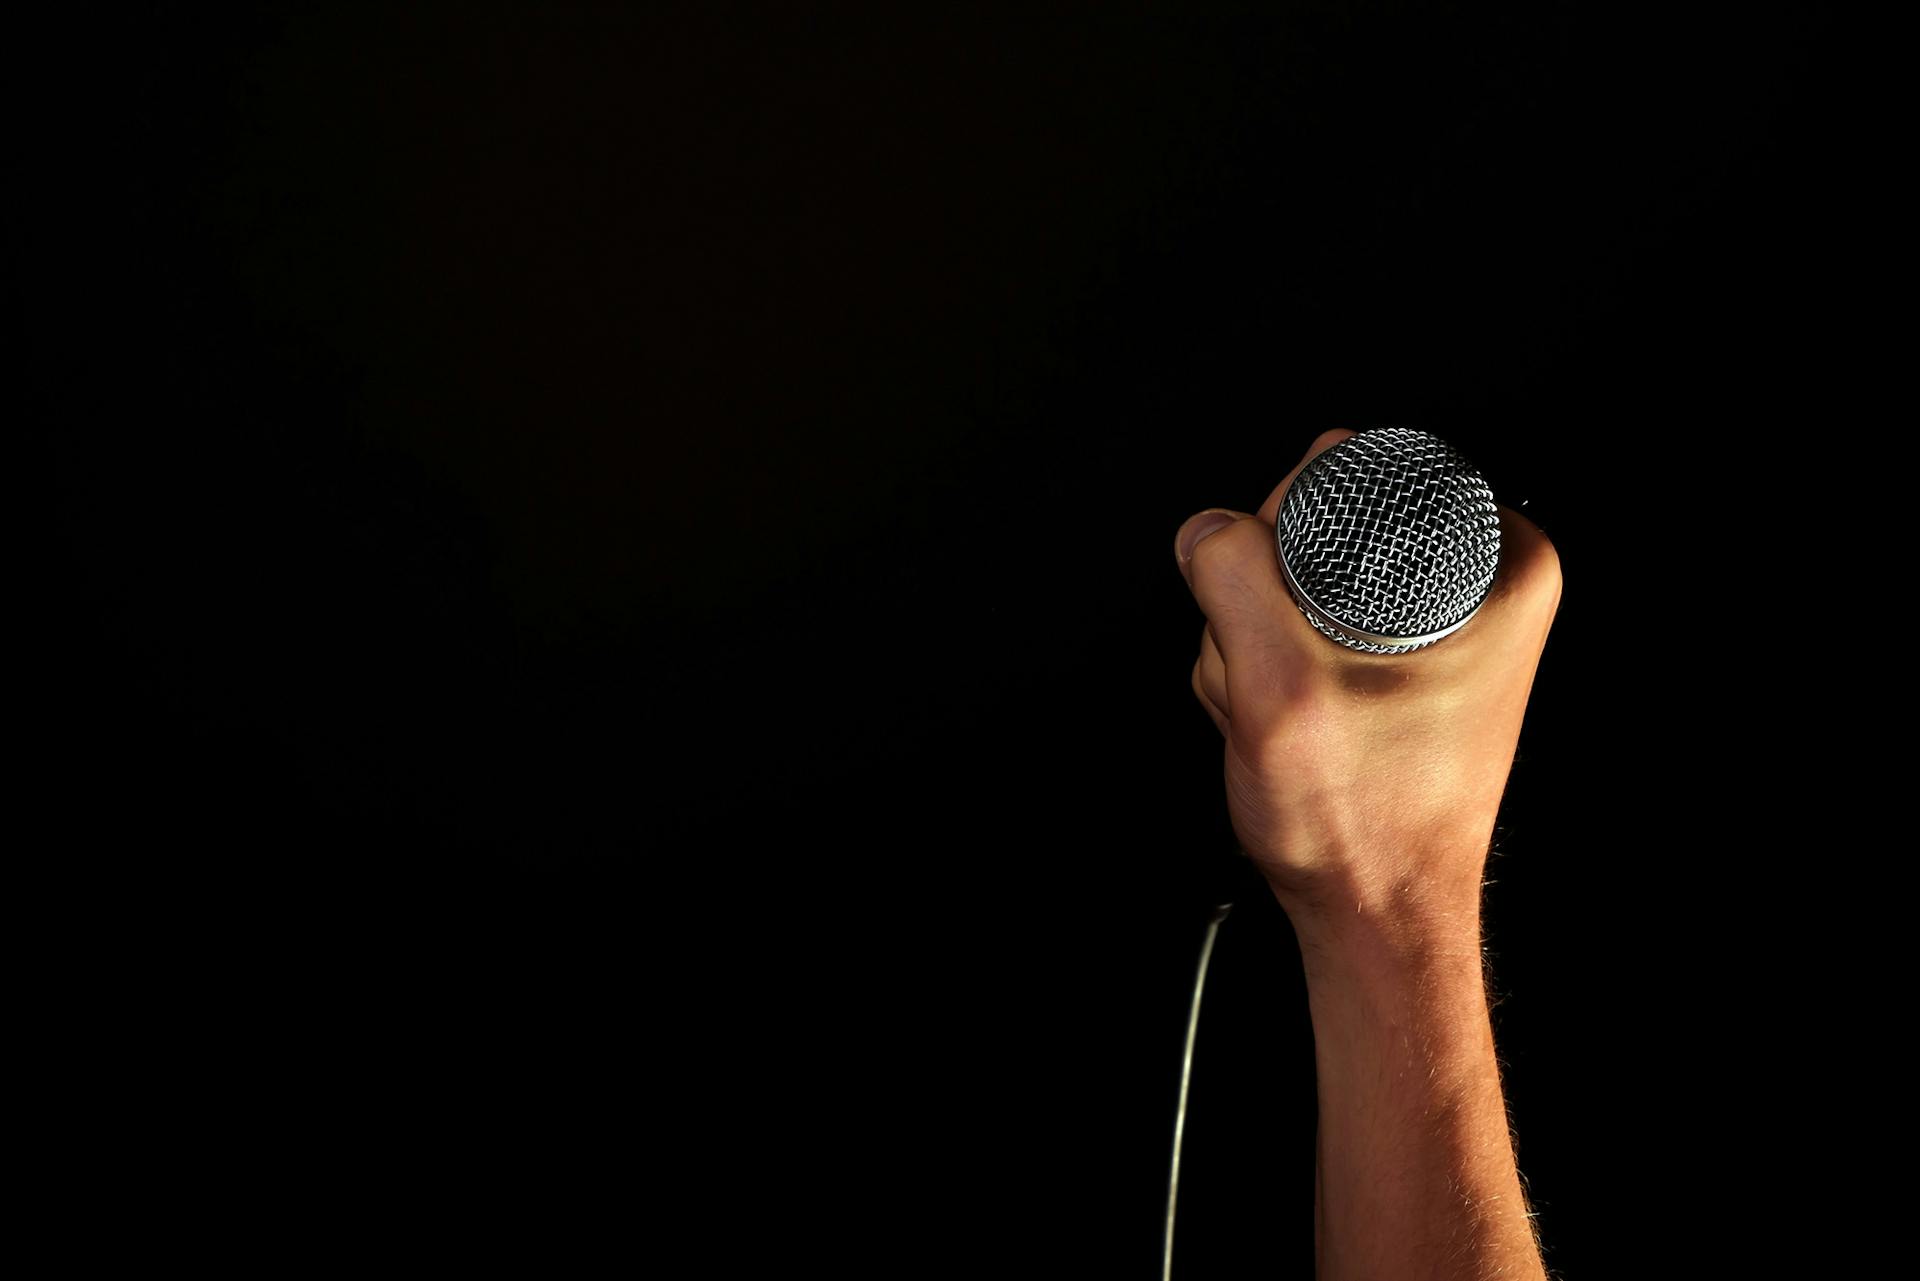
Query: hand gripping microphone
x=1388, y=541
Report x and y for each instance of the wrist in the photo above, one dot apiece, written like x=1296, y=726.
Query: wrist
x=1421, y=928
x=1400, y=983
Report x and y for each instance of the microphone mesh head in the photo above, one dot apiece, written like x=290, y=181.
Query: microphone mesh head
x=1389, y=540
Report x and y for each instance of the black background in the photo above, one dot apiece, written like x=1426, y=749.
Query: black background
x=616, y=655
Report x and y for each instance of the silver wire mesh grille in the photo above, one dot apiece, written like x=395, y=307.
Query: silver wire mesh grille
x=1391, y=533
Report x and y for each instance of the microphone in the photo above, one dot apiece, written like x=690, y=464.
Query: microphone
x=1389, y=540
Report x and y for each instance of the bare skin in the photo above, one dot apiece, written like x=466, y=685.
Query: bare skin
x=1365, y=787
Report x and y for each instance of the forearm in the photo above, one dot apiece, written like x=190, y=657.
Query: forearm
x=1416, y=1173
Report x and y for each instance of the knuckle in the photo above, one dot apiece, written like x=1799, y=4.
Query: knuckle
x=1543, y=570
x=1534, y=560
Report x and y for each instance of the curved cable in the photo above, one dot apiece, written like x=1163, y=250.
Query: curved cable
x=1186, y=1076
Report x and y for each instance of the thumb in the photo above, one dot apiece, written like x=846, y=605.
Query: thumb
x=1231, y=561
x=1197, y=527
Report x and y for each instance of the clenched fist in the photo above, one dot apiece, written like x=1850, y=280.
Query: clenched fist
x=1362, y=784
